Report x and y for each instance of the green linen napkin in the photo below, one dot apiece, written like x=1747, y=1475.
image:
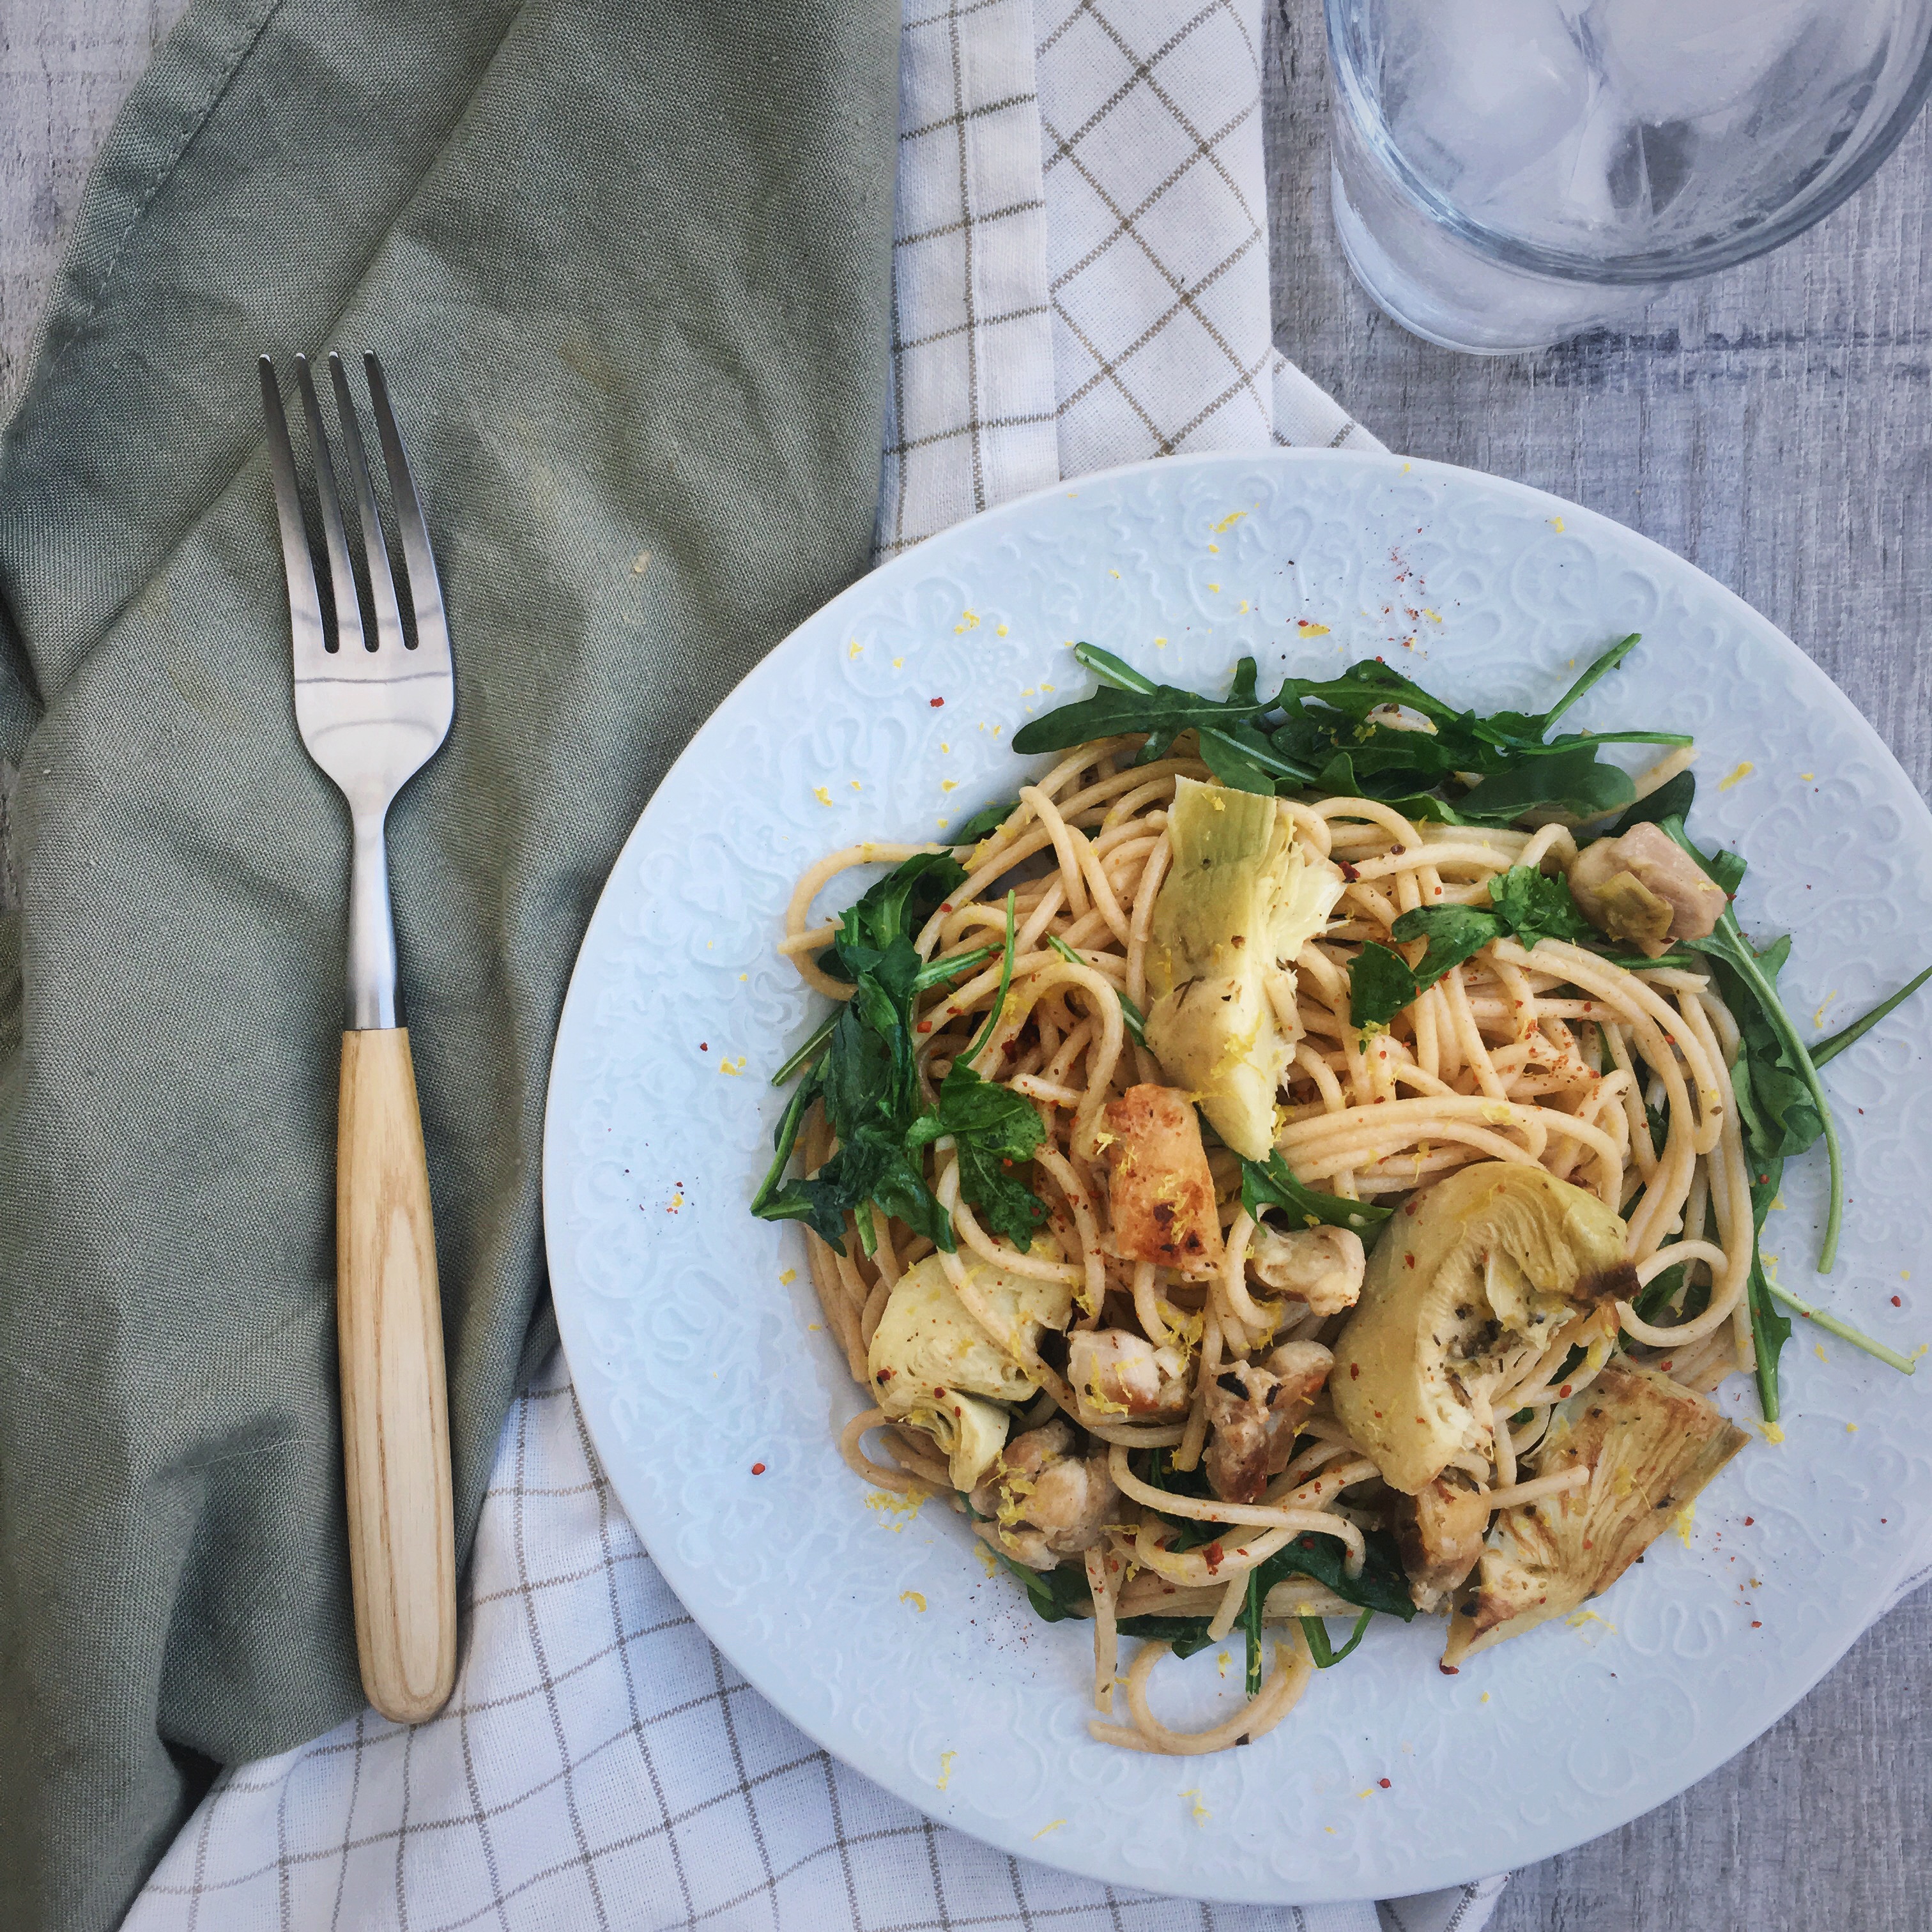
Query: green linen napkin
x=627, y=269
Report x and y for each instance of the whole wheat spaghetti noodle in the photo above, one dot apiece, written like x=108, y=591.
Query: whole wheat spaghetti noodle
x=1124, y=1384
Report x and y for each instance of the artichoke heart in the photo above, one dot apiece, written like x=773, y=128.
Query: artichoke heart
x=933, y=1366
x=1650, y=1445
x=1238, y=904
x=1498, y=1254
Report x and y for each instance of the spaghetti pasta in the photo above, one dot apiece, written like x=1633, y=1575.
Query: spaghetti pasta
x=1181, y=1454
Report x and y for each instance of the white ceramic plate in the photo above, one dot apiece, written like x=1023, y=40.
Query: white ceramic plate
x=689, y=1326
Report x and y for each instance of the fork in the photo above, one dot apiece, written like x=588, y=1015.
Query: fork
x=372, y=712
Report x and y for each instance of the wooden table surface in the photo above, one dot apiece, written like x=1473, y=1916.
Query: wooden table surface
x=1774, y=426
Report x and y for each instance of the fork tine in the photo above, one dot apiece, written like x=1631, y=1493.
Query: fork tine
x=341, y=571
x=425, y=586
x=310, y=647
x=381, y=585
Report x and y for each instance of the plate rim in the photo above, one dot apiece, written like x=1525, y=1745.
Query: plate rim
x=1764, y=633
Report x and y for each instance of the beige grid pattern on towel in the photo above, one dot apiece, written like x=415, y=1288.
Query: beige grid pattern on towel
x=1081, y=279
x=1080, y=261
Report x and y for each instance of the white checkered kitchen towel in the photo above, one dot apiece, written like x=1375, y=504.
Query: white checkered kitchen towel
x=1081, y=279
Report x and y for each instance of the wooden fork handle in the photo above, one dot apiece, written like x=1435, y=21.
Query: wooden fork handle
x=395, y=1412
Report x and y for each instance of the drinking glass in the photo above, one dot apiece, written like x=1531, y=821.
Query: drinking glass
x=1510, y=172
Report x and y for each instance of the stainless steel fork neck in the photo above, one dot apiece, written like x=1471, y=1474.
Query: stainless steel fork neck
x=371, y=1001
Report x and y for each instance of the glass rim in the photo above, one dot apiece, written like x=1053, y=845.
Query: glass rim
x=1803, y=211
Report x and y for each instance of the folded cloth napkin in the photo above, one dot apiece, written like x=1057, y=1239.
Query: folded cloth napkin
x=1080, y=278
x=629, y=270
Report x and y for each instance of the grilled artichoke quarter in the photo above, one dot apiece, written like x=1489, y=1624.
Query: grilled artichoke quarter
x=1650, y=1444
x=1497, y=1255
x=1240, y=902
x=933, y=1366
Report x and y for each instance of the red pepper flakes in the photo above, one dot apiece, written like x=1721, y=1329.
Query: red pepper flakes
x=937, y=703
x=1213, y=1554
x=704, y=1046
x=1896, y=1303
x=1756, y=1625
x=1384, y=1782
x=757, y=1468
x=1749, y=1520
x=1565, y=1390
x=1354, y=1372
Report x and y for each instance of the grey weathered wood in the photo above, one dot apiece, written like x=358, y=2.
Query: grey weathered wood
x=1774, y=426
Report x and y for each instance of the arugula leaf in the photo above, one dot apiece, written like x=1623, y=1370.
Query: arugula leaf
x=1534, y=907
x=867, y=1076
x=1771, y=1329
x=1573, y=780
x=1775, y=1106
x=1522, y=902
x=1316, y=1632
x=1337, y=779
x=895, y=908
x=1238, y=754
x=1454, y=932
x=992, y=1128
x=1382, y=1586
x=1755, y=994
x=1323, y=733
x=1186, y=1634
x=1275, y=1186
x=1131, y=1017
x=985, y=822
x=1380, y=984
x=1830, y=1048
x=1055, y=1595
x=998, y=1006
x=1671, y=799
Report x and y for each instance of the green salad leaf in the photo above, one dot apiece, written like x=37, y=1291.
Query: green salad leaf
x=1346, y=734
x=1274, y=1185
x=867, y=1077
x=1523, y=904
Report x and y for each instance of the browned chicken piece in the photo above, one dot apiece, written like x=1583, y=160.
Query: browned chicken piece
x=1041, y=1502
x=1160, y=1194
x=1117, y=1376
x=1439, y=1531
x=1253, y=1413
x=1321, y=1266
x=1646, y=888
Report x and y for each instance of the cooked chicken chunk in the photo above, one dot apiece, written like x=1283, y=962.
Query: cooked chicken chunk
x=1117, y=1375
x=1321, y=1266
x=1041, y=1502
x=1439, y=1531
x=1644, y=888
x=1160, y=1194
x=1253, y=1413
